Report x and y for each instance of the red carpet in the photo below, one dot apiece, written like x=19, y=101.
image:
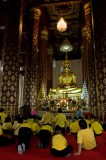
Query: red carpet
x=10, y=152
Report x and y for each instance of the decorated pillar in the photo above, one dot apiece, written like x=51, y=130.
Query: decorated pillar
x=10, y=58
x=49, y=69
x=99, y=12
x=84, y=56
x=30, y=89
x=43, y=63
x=91, y=57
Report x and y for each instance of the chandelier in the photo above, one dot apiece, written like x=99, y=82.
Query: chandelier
x=66, y=46
x=61, y=25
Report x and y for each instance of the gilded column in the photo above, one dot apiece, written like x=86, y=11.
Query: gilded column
x=30, y=89
x=10, y=58
x=43, y=63
x=91, y=60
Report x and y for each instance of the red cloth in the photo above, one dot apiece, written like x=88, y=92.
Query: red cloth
x=10, y=152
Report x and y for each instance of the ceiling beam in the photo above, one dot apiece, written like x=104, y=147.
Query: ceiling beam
x=59, y=3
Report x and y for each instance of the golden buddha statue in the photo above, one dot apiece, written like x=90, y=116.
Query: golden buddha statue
x=67, y=83
x=67, y=78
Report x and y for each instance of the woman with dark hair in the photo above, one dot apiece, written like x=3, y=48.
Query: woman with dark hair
x=85, y=138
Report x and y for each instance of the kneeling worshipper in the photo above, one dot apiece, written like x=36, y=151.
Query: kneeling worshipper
x=24, y=137
x=5, y=140
x=45, y=135
x=7, y=127
x=60, y=147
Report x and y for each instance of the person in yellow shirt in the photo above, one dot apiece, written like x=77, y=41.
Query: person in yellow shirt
x=7, y=127
x=85, y=138
x=74, y=126
x=16, y=125
x=1, y=131
x=4, y=140
x=97, y=127
x=45, y=135
x=60, y=147
x=35, y=128
x=87, y=121
x=3, y=115
x=24, y=136
x=34, y=122
x=92, y=120
x=60, y=120
x=47, y=117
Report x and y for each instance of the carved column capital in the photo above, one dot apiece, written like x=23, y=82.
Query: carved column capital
x=87, y=8
x=44, y=33
x=35, y=13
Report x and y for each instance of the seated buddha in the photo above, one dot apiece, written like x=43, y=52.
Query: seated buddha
x=67, y=82
x=67, y=78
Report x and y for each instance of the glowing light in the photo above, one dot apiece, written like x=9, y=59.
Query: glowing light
x=61, y=25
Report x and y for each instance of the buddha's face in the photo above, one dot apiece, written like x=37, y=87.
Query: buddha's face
x=67, y=70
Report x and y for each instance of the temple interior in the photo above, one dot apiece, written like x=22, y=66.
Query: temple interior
x=35, y=36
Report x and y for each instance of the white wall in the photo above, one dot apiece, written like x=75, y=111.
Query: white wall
x=76, y=67
x=21, y=90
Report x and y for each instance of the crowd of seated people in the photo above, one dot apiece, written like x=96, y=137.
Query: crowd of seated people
x=51, y=130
